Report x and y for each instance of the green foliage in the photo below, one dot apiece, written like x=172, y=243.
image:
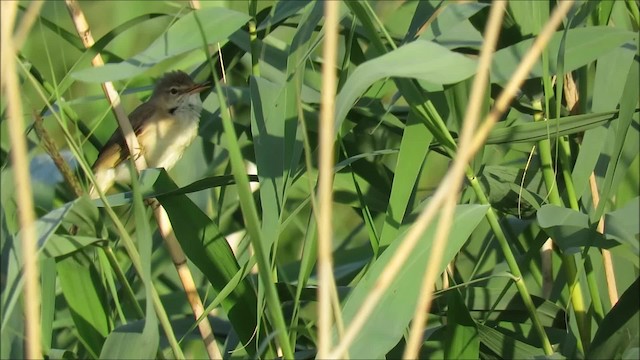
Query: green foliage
x=405, y=73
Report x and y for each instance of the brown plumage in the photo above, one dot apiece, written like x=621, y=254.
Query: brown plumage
x=165, y=125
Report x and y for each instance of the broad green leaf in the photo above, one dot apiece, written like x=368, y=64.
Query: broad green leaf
x=452, y=28
x=462, y=340
x=218, y=23
x=623, y=225
x=126, y=342
x=98, y=48
x=420, y=59
x=506, y=347
x=570, y=229
x=529, y=16
x=611, y=71
x=85, y=296
x=618, y=332
x=60, y=245
x=413, y=150
x=49, y=245
x=386, y=325
x=491, y=303
x=47, y=225
x=282, y=11
x=147, y=184
x=583, y=45
x=451, y=16
x=623, y=140
x=540, y=130
x=207, y=248
x=504, y=190
x=267, y=125
x=47, y=269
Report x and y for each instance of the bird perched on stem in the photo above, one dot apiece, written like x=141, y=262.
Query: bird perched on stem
x=165, y=126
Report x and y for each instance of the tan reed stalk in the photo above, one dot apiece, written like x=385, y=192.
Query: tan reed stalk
x=164, y=225
x=607, y=261
x=456, y=171
x=24, y=194
x=471, y=119
x=325, y=177
x=571, y=95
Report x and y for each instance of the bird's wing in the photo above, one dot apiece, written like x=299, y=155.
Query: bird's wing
x=115, y=149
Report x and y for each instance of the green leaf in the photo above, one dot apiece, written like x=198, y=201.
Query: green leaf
x=462, y=340
x=623, y=140
x=540, y=130
x=207, y=248
x=129, y=342
x=506, y=347
x=413, y=151
x=436, y=65
x=570, y=229
x=183, y=36
x=147, y=183
x=85, y=296
x=492, y=303
x=623, y=225
x=386, y=325
x=452, y=28
x=60, y=245
x=126, y=341
x=618, y=332
x=583, y=45
x=267, y=126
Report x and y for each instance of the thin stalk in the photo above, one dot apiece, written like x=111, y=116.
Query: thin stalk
x=472, y=116
x=113, y=262
x=22, y=180
x=326, y=282
x=457, y=169
x=612, y=289
x=252, y=222
x=126, y=240
x=435, y=124
x=164, y=225
x=250, y=214
x=592, y=281
x=568, y=261
x=511, y=261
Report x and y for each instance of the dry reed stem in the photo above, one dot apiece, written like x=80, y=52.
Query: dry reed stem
x=509, y=92
x=471, y=119
x=84, y=32
x=607, y=261
x=445, y=187
x=177, y=254
x=24, y=194
x=325, y=180
x=572, y=97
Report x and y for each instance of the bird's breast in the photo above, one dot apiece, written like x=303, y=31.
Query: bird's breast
x=164, y=141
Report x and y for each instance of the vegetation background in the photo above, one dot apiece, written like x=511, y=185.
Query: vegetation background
x=541, y=260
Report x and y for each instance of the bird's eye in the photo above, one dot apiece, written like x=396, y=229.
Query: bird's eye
x=173, y=91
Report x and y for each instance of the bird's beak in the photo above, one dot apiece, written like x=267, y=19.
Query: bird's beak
x=199, y=87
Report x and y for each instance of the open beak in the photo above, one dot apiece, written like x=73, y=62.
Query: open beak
x=200, y=87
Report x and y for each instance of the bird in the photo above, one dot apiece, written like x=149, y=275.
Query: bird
x=165, y=125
